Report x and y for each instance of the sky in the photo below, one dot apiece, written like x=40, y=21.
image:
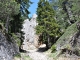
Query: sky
x=33, y=7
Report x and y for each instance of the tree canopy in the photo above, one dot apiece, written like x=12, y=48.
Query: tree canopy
x=11, y=12
x=47, y=25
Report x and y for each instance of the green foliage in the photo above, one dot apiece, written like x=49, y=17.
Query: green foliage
x=8, y=8
x=18, y=55
x=55, y=54
x=27, y=58
x=67, y=15
x=27, y=2
x=75, y=9
x=64, y=13
x=66, y=37
x=16, y=24
x=53, y=48
x=47, y=25
x=12, y=20
x=39, y=29
x=17, y=39
x=70, y=31
x=24, y=5
x=10, y=15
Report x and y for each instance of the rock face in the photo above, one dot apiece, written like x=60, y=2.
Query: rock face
x=7, y=48
x=29, y=30
x=71, y=45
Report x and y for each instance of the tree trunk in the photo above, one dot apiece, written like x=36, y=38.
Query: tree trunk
x=46, y=45
x=49, y=42
x=7, y=24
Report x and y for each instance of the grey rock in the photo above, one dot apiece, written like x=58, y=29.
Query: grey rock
x=30, y=33
x=7, y=48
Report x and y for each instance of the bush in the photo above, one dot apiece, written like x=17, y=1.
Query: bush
x=17, y=39
x=53, y=48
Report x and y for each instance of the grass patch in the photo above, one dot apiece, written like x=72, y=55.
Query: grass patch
x=22, y=56
x=18, y=56
x=54, y=55
x=53, y=48
x=28, y=58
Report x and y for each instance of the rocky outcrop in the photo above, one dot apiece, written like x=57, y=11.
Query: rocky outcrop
x=69, y=43
x=75, y=41
x=8, y=47
x=30, y=37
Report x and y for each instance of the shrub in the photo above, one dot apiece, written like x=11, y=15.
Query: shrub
x=53, y=48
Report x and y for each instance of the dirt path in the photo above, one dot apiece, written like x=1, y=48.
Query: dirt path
x=35, y=55
x=38, y=54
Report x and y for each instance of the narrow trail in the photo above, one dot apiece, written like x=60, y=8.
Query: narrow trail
x=38, y=54
x=35, y=55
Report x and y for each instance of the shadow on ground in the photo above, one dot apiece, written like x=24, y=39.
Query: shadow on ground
x=42, y=49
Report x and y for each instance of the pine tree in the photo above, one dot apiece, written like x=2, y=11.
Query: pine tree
x=8, y=8
x=47, y=26
x=64, y=13
x=10, y=16
x=75, y=8
x=24, y=5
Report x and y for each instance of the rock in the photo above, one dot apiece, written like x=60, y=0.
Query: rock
x=36, y=41
x=71, y=44
x=30, y=37
x=7, y=48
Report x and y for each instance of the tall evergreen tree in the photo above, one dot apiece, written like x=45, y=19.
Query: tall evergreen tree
x=64, y=14
x=75, y=8
x=47, y=26
x=24, y=5
x=8, y=8
x=10, y=16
